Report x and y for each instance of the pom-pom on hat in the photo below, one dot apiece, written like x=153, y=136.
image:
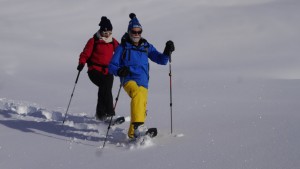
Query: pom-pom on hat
x=134, y=22
x=105, y=24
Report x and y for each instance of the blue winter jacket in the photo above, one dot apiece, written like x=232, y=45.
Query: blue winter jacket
x=136, y=59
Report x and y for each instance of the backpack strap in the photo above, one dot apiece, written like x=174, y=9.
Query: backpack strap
x=126, y=38
x=89, y=61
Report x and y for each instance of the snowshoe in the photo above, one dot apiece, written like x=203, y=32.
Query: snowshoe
x=142, y=131
x=115, y=121
x=142, y=137
x=151, y=132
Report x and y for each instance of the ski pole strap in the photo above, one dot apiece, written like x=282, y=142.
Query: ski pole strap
x=170, y=60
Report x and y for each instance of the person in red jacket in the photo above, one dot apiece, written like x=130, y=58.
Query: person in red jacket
x=97, y=53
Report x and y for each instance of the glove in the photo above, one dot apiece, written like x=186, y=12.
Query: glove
x=123, y=71
x=169, y=48
x=80, y=67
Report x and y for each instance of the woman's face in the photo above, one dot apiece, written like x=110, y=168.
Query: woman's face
x=106, y=33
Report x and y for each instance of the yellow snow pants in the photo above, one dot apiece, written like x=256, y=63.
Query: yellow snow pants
x=138, y=105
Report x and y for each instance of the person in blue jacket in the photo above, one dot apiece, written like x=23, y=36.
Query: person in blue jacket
x=130, y=63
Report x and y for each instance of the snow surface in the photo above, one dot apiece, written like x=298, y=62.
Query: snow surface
x=236, y=86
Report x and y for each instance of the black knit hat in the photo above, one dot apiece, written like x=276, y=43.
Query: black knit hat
x=105, y=24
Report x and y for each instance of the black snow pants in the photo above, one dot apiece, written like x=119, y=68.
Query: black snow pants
x=105, y=98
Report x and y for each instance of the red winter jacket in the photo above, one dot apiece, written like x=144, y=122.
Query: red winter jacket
x=98, y=58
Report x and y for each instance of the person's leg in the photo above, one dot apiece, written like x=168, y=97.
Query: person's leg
x=106, y=94
x=96, y=78
x=139, y=95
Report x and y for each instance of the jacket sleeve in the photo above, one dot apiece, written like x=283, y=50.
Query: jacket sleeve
x=116, y=43
x=87, y=51
x=115, y=62
x=157, y=57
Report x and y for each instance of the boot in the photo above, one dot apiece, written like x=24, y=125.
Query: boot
x=139, y=129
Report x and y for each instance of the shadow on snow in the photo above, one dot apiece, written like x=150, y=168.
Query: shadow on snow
x=80, y=131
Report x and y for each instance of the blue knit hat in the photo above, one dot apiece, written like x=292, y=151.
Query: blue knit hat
x=134, y=22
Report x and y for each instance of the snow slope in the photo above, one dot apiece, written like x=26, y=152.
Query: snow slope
x=235, y=85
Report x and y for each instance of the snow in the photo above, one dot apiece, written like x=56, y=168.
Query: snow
x=235, y=80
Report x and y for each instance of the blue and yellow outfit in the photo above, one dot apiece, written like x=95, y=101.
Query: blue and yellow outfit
x=136, y=83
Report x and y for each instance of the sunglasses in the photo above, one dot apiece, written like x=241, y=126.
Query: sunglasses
x=107, y=32
x=136, y=32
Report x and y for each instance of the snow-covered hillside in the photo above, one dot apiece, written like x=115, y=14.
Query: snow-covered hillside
x=235, y=85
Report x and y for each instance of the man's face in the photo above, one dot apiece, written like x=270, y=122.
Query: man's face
x=135, y=34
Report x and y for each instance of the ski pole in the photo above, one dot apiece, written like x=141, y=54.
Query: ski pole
x=109, y=125
x=71, y=96
x=171, y=104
